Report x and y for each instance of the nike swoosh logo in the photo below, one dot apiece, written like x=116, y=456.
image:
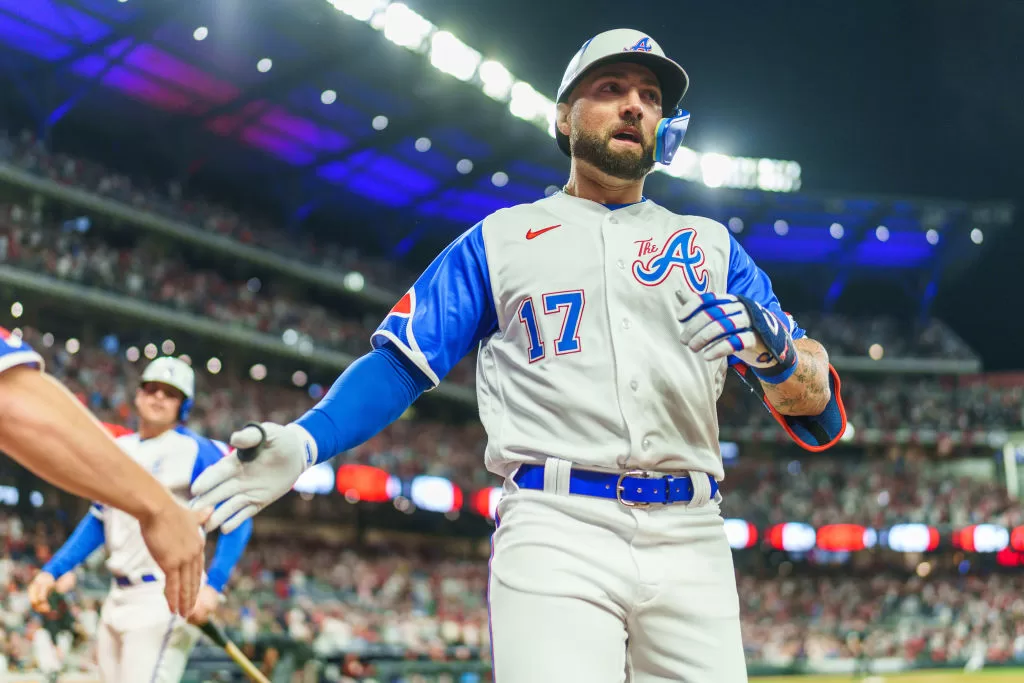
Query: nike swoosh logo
x=530, y=234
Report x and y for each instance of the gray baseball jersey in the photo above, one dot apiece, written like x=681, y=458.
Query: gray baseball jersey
x=574, y=307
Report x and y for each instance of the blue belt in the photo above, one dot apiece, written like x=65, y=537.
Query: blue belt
x=633, y=489
x=124, y=581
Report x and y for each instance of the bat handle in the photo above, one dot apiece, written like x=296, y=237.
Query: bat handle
x=249, y=454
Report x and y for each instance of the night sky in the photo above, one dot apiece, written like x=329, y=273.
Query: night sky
x=922, y=97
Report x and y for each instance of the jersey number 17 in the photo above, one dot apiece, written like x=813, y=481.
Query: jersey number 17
x=570, y=305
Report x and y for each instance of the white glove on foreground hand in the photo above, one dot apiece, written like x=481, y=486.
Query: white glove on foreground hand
x=241, y=489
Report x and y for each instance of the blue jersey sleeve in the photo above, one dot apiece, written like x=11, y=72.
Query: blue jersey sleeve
x=14, y=352
x=746, y=279
x=449, y=309
x=86, y=538
x=230, y=547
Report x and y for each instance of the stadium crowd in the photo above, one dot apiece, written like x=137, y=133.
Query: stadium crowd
x=941, y=619
x=168, y=280
x=877, y=493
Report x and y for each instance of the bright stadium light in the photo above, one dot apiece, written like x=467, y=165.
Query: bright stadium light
x=977, y=236
x=264, y=65
x=185, y=358
x=328, y=97
x=17, y=309
x=150, y=351
x=258, y=372
x=404, y=27
x=167, y=347
x=496, y=80
x=882, y=233
x=781, y=228
x=714, y=169
x=213, y=366
x=363, y=10
x=132, y=354
x=290, y=337
x=379, y=122
x=932, y=236
x=836, y=230
x=200, y=33
x=354, y=281
x=528, y=104
x=423, y=144
x=299, y=378
x=465, y=166
x=72, y=346
x=452, y=56
x=48, y=342
x=736, y=224
x=500, y=179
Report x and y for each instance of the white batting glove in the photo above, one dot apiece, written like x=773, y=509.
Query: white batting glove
x=241, y=489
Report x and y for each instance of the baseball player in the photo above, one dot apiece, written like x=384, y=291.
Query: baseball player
x=605, y=326
x=46, y=429
x=138, y=638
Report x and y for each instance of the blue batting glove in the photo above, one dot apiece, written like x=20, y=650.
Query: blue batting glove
x=721, y=325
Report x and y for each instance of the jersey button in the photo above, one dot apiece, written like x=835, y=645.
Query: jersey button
x=625, y=323
x=634, y=384
x=613, y=220
x=646, y=443
x=621, y=264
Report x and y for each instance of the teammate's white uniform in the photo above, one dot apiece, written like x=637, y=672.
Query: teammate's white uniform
x=138, y=639
x=580, y=366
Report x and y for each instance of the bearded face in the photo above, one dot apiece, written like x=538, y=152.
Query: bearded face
x=621, y=152
x=613, y=117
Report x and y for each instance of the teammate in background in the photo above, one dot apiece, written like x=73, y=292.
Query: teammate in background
x=610, y=560
x=48, y=431
x=138, y=639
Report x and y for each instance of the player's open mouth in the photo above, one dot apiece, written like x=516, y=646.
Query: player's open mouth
x=628, y=134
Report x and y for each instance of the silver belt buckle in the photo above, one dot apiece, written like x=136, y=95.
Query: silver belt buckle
x=619, y=488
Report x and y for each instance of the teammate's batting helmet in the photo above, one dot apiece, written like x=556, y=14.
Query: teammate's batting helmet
x=636, y=47
x=174, y=373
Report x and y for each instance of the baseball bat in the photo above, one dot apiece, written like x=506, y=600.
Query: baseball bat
x=215, y=633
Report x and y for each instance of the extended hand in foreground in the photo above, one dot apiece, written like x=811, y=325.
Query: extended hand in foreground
x=241, y=489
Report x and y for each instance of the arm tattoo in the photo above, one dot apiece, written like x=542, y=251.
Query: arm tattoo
x=807, y=391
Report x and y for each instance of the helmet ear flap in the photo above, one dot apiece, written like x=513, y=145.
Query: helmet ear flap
x=186, y=408
x=669, y=137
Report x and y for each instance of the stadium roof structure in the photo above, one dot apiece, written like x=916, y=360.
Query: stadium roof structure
x=366, y=105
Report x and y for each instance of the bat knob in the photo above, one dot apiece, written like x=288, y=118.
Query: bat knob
x=249, y=454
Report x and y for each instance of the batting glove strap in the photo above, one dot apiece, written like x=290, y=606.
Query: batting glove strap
x=774, y=334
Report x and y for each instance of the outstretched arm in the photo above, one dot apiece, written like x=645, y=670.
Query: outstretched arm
x=46, y=429
x=448, y=311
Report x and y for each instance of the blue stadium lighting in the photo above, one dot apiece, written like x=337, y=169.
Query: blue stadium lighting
x=882, y=233
x=736, y=225
x=836, y=230
x=781, y=228
x=932, y=236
